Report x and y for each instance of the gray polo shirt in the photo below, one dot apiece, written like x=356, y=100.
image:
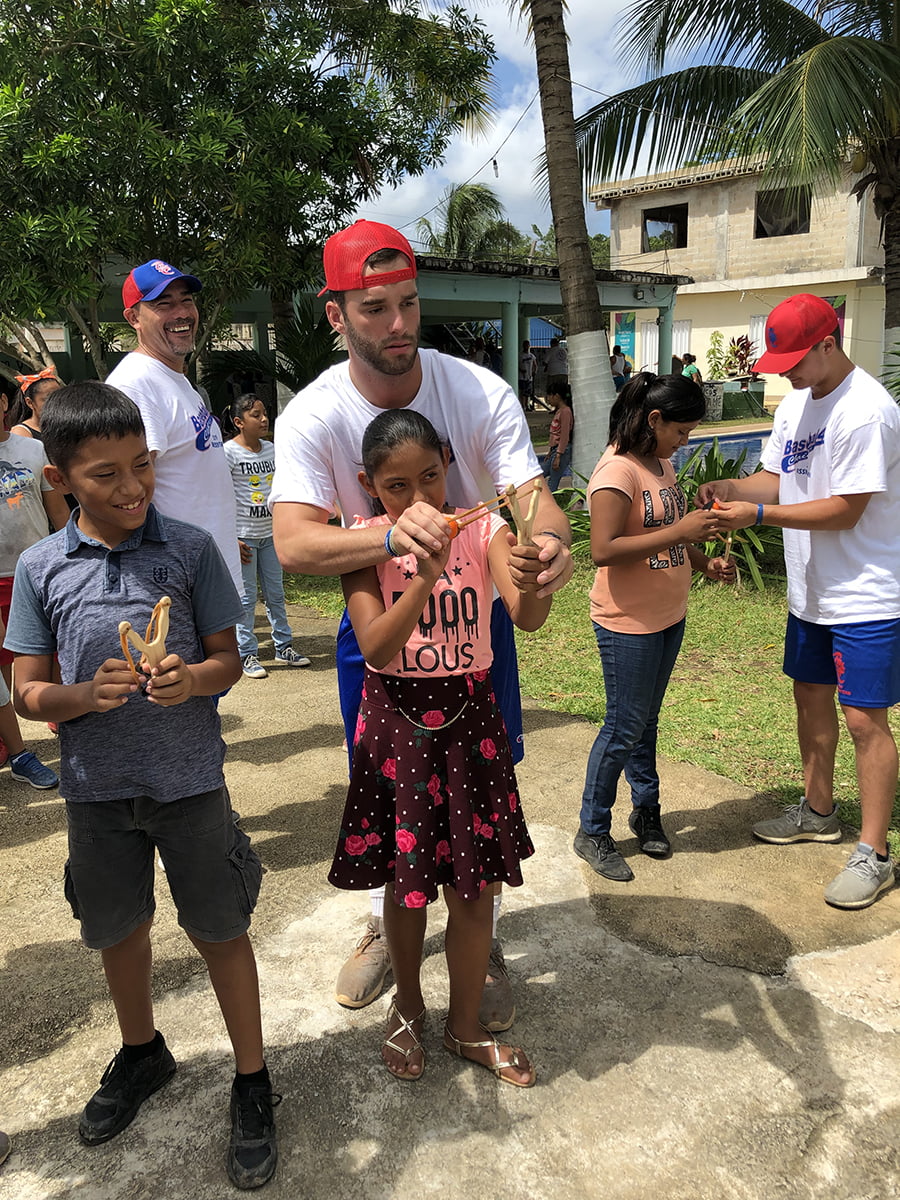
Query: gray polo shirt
x=69, y=595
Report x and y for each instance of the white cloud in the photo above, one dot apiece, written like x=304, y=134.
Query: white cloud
x=594, y=62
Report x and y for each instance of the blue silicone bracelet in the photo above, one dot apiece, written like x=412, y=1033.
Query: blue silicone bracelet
x=759, y=514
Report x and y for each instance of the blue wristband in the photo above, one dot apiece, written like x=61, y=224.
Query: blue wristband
x=759, y=514
x=388, y=544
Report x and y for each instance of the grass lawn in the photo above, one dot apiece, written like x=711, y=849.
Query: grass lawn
x=728, y=707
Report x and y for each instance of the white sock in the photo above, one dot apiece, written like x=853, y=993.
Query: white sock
x=376, y=898
x=498, y=900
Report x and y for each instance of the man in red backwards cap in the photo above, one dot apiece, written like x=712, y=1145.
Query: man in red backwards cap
x=831, y=480
x=372, y=300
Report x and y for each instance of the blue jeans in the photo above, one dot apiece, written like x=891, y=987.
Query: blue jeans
x=555, y=474
x=636, y=670
x=263, y=563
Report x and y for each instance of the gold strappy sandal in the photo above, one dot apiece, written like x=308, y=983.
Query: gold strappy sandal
x=520, y=1064
x=405, y=1027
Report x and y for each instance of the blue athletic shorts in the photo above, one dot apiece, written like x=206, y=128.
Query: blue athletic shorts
x=504, y=673
x=861, y=659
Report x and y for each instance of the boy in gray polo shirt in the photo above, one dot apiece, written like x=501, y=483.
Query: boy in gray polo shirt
x=142, y=763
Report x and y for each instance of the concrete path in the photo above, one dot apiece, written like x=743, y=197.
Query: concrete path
x=710, y=1031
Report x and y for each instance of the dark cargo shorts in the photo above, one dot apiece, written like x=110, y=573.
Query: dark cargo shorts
x=213, y=873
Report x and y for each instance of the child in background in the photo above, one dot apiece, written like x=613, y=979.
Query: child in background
x=28, y=504
x=558, y=461
x=25, y=415
x=433, y=798
x=641, y=543
x=252, y=463
x=142, y=762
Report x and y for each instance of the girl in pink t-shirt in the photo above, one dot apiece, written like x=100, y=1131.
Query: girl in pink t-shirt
x=433, y=800
x=641, y=541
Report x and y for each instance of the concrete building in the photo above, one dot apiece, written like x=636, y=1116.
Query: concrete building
x=747, y=245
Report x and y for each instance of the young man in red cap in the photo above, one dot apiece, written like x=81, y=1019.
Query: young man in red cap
x=831, y=480
x=193, y=480
x=370, y=273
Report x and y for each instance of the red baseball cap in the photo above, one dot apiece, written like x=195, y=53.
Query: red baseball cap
x=345, y=254
x=150, y=280
x=793, y=328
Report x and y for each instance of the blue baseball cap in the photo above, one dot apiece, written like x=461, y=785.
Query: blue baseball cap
x=151, y=279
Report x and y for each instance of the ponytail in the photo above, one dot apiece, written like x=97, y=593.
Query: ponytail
x=675, y=397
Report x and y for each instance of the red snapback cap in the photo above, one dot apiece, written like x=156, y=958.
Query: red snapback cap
x=345, y=254
x=793, y=328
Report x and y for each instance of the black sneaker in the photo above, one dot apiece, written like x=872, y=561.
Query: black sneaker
x=253, y=1153
x=600, y=853
x=646, y=825
x=123, y=1089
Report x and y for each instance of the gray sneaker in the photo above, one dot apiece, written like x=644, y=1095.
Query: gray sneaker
x=290, y=656
x=362, y=976
x=799, y=823
x=253, y=668
x=861, y=882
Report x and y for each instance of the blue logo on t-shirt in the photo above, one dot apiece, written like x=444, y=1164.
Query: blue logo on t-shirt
x=205, y=424
x=798, y=451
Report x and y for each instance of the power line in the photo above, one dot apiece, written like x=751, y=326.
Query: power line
x=490, y=160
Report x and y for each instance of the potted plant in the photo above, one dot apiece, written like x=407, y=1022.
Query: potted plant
x=714, y=383
x=745, y=390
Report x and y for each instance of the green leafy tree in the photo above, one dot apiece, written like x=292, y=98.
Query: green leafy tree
x=471, y=223
x=544, y=247
x=228, y=136
x=806, y=87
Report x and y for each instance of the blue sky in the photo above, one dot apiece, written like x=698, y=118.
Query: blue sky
x=591, y=26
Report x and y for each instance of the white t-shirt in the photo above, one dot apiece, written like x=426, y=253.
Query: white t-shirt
x=844, y=444
x=193, y=480
x=557, y=361
x=320, y=436
x=527, y=363
x=251, y=478
x=23, y=518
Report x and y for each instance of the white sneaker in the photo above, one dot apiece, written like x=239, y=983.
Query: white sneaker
x=292, y=658
x=253, y=668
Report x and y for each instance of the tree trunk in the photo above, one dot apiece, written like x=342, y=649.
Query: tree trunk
x=592, y=386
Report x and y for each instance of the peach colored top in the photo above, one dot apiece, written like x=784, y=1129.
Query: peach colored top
x=649, y=594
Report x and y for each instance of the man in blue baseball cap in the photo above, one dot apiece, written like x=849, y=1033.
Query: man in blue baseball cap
x=193, y=480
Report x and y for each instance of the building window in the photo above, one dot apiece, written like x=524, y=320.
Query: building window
x=782, y=212
x=664, y=228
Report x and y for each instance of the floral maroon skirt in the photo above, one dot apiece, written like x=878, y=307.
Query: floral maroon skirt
x=433, y=797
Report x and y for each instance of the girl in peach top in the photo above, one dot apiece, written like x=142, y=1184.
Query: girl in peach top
x=433, y=802
x=641, y=542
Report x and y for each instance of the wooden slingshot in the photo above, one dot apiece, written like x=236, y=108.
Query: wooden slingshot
x=524, y=524
x=152, y=645
x=509, y=497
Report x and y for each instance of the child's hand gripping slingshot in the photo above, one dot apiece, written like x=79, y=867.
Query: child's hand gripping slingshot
x=153, y=645
x=509, y=497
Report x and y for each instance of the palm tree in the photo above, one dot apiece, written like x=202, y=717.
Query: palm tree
x=810, y=87
x=592, y=386
x=471, y=225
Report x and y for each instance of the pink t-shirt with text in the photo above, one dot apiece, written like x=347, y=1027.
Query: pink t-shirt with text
x=453, y=635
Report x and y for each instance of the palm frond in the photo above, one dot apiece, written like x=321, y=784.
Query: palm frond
x=662, y=123
x=875, y=19
x=764, y=34
x=843, y=92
